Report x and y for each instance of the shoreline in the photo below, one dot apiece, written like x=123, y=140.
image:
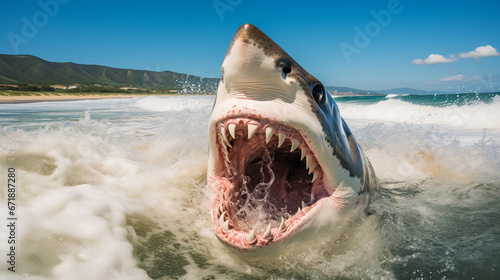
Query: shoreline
x=48, y=97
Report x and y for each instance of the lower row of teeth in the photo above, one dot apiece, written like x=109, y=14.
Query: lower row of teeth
x=251, y=236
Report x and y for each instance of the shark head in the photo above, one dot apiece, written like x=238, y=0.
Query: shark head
x=282, y=160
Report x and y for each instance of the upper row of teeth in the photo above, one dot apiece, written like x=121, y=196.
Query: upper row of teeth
x=253, y=128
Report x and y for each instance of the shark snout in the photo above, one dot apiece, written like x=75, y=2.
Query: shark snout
x=257, y=68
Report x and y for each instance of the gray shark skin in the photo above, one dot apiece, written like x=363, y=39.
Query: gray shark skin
x=283, y=164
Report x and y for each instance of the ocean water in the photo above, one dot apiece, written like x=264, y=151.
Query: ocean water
x=116, y=189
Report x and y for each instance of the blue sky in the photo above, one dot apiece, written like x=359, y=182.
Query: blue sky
x=430, y=45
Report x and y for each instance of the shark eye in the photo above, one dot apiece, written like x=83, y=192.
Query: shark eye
x=318, y=92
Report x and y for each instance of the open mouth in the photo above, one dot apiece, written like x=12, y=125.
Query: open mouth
x=268, y=183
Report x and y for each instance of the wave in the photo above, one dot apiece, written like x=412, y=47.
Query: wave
x=436, y=100
x=89, y=190
x=477, y=116
x=391, y=95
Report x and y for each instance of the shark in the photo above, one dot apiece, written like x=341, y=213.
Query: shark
x=283, y=164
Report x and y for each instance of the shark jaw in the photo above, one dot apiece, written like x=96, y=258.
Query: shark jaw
x=270, y=181
x=276, y=167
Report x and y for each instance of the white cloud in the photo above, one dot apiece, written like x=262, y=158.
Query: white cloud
x=434, y=59
x=481, y=51
x=458, y=77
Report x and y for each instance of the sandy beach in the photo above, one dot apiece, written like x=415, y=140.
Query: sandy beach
x=8, y=97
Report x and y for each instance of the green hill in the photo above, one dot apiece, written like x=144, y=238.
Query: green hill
x=15, y=69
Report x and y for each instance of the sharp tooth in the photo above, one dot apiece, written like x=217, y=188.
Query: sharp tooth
x=281, y=137
x=282, y=225
x=268, y=233
x=312, y=195
x=225, y=149
x=269, y=133
x=232, y=130
x=224, y=137
x=311, y=168
x=303, y=205
x=221, y=209
x=221, y=219
x=225, y=226
x=295, y=144
x=303, y=152
x=223, y=132
x=251, y=236
x=308, y=161
x=252, y=128
x=315, y=176
x=298, y=212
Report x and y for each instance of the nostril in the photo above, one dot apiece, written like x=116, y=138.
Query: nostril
x=285, y=66
x=285, y=70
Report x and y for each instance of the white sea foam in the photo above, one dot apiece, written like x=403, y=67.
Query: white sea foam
x=79, y=185
x=475, y=116
x=405, y=140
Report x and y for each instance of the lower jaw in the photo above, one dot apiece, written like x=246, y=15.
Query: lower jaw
x=261, y=247
x=236, y=238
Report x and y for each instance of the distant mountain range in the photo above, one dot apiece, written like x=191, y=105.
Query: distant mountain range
x=16, y=69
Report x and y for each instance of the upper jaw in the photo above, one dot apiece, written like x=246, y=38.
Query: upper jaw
x=261, y=133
